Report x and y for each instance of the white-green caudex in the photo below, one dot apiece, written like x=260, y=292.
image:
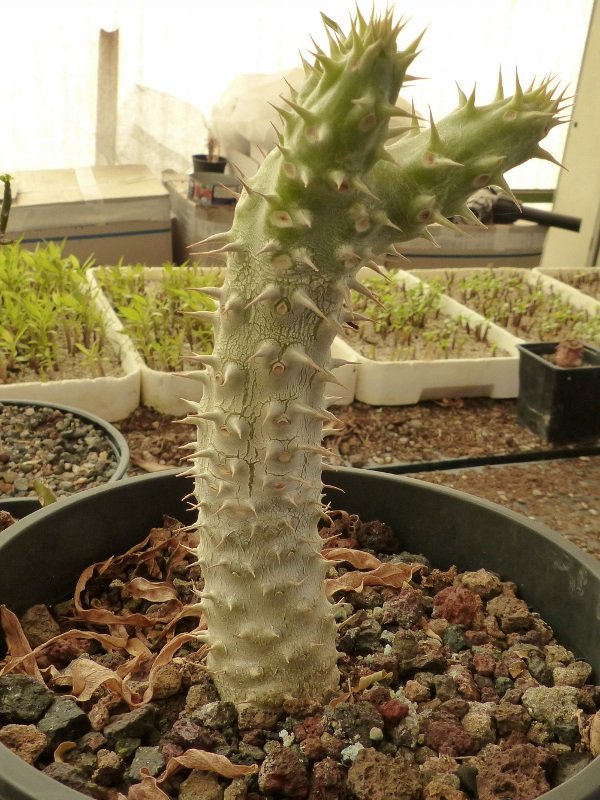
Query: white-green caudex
x=327, y=201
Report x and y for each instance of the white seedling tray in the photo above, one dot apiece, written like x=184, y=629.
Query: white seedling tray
x=168, y=392
x=553, y=277
x=407, y=382
x=111, y=397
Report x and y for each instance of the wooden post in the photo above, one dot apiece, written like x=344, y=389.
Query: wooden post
x=108, y=93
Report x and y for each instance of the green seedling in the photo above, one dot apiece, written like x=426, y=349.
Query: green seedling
x=527, y=310
x=407, y=323
x=47, y=318
x=162, y=316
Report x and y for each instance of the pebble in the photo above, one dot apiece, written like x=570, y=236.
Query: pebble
x=23, y=699
x=64, y=721
x=24, y=740
x=200, y=786
x=283, y=774
x=376, y=776
x=146, y=758
x=350, y=753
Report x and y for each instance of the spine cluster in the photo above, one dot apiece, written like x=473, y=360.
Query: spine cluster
x=327, y=201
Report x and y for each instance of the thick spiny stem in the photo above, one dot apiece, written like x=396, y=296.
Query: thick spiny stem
x=323, y=204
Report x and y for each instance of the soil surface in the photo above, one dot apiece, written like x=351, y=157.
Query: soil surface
x=42, y=445
x=563, y=493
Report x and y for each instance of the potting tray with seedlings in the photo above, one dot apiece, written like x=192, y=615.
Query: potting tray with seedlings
x=165, y=321
x=48, y=327
x=519, y=301
x=165, y=313
x=414, y=343
x=408, y=324
x=584, y=279
x=159, y=312
x=54, y=341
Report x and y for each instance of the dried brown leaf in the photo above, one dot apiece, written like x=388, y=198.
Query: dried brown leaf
x=102, y=616
x=149, y=590
x=150, y=464
x=210, y=762
x=364, y=682
x=369, y=680
x=394, y=575
x=595, y=734
x=163, y=658
x=87, y=676
x=22, y=657
x=357, y=558
x=340, y=698
x=106, y=640
x=62, y=749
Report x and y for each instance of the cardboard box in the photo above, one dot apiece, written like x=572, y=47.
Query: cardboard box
x=108, y=213
x=193, y=221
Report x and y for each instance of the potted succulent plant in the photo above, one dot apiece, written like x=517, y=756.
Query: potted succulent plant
x=324, y=203
x=559, y=389
x=210, y=161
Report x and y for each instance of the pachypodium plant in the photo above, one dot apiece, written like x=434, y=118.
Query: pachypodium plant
x=327, y=201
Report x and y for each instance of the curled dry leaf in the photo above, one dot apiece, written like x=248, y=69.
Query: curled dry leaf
x=369, y=680
x=150, y=464
x=429, y=631
x=358, y=559
x=210, y=762
x=22, y=657
x=87, y=676
x=190, y=610
x=595, y=734
x=363, y=683
x=394, y=575
x=164, y=657
x=106, y=640
x=164, y=546
x=102, y=616
x=62, y=749
x=148, y=590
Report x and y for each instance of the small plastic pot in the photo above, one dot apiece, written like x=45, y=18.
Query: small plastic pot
x=560, y=404
x=201, y=163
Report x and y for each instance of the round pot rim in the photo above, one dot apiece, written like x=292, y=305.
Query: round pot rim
x=115, y=438
x=542, y=530
x=27, y=783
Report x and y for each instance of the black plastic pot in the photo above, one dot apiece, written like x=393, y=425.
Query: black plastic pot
x=560, y=404
x=21, y=506
x=201, y=163
x=554, y=576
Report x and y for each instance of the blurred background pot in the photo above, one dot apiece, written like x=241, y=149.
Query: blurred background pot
x=54, y=447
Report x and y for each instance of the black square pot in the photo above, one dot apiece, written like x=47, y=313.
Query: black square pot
x=560, y=404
